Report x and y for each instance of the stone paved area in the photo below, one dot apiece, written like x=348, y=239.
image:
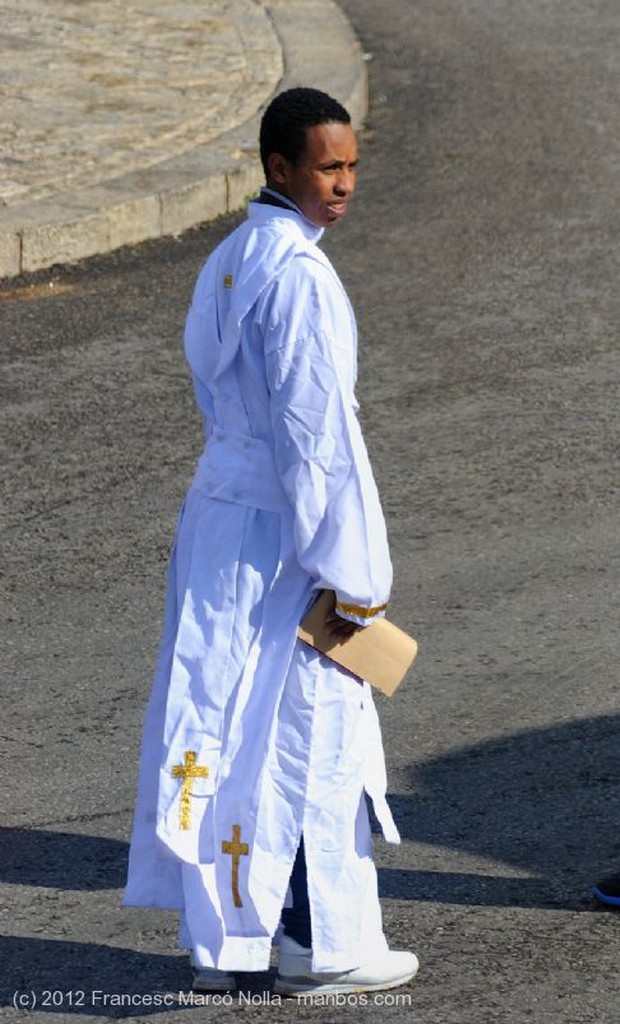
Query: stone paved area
x=126, y=121
x=90, y=91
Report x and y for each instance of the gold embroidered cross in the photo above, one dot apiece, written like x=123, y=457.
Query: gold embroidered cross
x=236, y=848
x=188, y=771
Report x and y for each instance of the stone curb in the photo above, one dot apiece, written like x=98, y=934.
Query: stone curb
x=319, y=49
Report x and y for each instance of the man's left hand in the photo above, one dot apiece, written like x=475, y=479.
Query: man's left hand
x=340, y=628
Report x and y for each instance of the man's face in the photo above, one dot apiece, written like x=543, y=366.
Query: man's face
x=323, y=179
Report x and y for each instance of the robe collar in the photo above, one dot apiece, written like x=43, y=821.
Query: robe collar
x=272, y=205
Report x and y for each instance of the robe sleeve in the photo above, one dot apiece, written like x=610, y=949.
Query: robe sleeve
x=340, y=532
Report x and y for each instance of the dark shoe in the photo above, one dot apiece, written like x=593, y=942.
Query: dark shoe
x=608, y=891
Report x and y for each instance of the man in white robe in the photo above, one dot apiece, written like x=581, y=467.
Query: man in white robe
x=257, y=751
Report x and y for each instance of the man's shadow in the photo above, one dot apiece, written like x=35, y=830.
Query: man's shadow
x=543, y=802
x=87, y=979
x=61, y=860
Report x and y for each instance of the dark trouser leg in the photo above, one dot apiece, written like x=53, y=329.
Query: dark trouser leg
x=296, y=919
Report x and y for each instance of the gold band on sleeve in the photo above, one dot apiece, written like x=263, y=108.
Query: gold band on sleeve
x=359, y=610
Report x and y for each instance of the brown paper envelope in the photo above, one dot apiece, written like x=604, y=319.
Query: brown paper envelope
x=380, y=653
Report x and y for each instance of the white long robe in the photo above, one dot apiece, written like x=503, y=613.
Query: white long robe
x=283, y=504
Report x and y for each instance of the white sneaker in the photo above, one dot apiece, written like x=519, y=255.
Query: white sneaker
x=210, y=979
x=296, y=977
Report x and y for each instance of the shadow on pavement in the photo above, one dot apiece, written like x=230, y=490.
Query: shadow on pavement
x=61, y=860
x=83, y=978
x=480, y=890
x=545, y=802
x=106, y=981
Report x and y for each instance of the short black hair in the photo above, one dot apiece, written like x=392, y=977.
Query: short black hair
x=289, y=115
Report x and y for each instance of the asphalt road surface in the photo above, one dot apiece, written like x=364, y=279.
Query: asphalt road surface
x=482, y=258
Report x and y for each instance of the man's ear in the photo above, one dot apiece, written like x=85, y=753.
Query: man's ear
x=277, y=166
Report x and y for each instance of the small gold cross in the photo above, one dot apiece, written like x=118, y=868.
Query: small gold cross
x=188, y=771
x=236, y=848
